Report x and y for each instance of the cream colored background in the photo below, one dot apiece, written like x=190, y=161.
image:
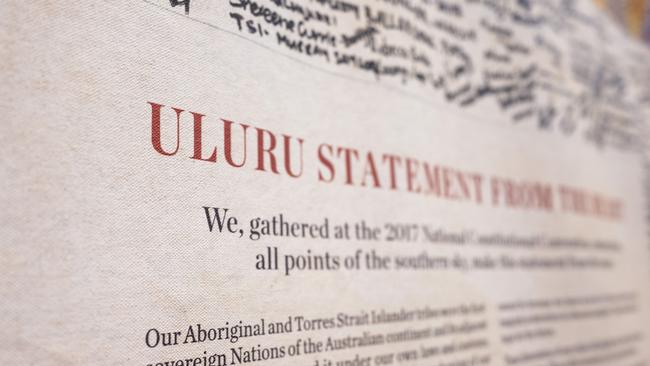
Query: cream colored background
x=101, y=238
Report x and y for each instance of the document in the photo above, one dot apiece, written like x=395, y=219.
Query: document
x=323, y=183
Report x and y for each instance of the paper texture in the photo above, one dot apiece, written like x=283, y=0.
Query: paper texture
x=321, y=183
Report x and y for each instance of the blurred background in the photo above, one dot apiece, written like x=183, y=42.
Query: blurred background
x=633, y=15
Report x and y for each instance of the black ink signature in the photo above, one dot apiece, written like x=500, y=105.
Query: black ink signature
x=186, y=3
